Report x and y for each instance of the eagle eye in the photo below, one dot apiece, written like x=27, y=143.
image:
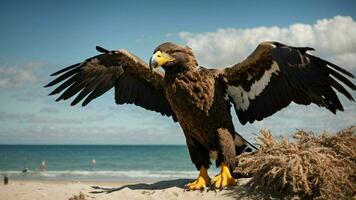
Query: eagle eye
x=171, y=52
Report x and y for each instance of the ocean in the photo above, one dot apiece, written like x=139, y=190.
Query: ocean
x=122, y=163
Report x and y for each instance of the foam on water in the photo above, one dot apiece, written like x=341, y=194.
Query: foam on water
x=102, y=175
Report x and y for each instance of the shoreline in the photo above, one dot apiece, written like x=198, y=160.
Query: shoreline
x=126, y=176
x=58, y=181
x=166, y=189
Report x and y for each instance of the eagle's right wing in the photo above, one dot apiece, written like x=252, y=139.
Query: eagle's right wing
x=275, y=75
x=131, y=77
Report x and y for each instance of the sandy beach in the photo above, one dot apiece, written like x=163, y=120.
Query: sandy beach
x=167, y=190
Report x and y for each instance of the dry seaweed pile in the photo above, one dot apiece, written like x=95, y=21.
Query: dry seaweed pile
x=81, y=196
x=312, y=167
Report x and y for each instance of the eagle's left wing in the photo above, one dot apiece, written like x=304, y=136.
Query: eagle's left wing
x=275, y=75
x=131, y=77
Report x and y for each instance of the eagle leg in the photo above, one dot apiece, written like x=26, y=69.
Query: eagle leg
x=201, y=182
x=224, y=179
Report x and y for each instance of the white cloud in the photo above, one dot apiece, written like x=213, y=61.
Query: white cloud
x=18, y=76
x=50, y=118
x=334, y=39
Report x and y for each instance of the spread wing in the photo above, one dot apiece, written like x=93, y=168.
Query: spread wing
x=131, y=77
x=274, y=75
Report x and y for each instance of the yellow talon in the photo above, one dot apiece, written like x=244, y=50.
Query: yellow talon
x=192, y=183
x=224, y=179
x=201, y=182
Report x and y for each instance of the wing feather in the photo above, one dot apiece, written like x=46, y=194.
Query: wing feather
x=63, y=76
x=65, y=69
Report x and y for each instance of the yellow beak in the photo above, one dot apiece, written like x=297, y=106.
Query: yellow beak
x=158, y=59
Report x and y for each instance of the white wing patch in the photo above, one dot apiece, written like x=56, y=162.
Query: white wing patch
x=242, y=98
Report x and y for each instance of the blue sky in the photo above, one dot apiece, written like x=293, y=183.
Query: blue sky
x=39, y=37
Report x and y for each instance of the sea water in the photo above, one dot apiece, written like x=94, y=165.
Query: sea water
x=123, y=163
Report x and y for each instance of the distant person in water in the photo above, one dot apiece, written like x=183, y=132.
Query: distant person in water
x=43, y=166
x=6, y=180
x=25, y=170
x=93, y=162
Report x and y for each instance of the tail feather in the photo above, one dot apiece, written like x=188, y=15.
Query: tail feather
x=242, y=145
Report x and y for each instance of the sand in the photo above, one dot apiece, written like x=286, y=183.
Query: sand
x=167, y=190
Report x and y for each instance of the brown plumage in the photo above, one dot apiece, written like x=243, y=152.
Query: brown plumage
x=200, y=99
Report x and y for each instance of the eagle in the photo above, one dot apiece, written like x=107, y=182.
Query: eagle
x=200, y=99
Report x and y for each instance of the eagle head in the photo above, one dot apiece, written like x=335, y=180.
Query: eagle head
x=172, y=58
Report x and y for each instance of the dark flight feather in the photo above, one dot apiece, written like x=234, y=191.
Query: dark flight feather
x=65, y=69
x=101, y=49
